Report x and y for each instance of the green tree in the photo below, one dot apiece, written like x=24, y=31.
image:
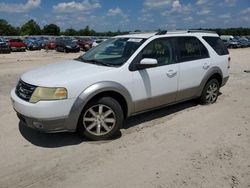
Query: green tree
x=30, y=28
x=51, y=29
x=7, y=29
x=70, y=32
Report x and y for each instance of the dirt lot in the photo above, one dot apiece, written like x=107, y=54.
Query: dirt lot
x=186, y=145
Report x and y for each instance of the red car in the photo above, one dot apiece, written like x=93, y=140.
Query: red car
x=51, y=45
x=85, y=43
x=17, y=45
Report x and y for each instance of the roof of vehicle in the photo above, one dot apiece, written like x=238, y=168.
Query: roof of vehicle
x=168, y=33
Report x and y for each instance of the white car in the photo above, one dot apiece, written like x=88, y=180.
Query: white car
x=121, y=77
x=97, y=42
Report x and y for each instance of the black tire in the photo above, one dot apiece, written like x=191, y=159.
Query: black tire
x=210, y=92
x=65, y=50
x=117, y=114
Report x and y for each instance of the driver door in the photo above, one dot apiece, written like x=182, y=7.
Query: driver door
x=156, y=86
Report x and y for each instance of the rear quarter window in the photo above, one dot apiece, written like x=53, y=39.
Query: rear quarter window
x=217, y=44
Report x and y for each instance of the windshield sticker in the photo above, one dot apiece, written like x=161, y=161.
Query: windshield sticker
x=134, y=40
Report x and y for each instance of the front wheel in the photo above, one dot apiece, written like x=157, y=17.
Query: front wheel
x=210, y=92
x=101, y=119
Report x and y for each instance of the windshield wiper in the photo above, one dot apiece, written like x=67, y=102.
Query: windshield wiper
x=95, y=61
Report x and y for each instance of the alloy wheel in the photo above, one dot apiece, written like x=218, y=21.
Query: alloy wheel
x=212, y=92
x=99, y=120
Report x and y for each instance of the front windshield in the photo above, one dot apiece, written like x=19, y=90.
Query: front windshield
x=113, y=52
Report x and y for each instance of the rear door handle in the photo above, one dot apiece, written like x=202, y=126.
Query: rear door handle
x=171, y=73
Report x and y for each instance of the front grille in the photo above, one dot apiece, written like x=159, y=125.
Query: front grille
x=24, y=90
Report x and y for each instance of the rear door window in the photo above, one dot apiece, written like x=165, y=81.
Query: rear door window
x=217, y=44
x=190, y=48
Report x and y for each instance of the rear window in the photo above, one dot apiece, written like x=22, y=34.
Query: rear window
x=190, y=48
x=217, y=44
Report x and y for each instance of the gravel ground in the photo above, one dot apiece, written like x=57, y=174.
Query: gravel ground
x=185, y=145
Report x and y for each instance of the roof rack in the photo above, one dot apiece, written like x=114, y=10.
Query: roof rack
x=184, y=31
x=200, y=31
x=162, y=32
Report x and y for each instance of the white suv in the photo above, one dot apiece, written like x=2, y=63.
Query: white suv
x=121, y=77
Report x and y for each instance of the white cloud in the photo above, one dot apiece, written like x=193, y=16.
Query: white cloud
x=230, y=2
x=176, y=5
x=202, y=22
x=188, y=19
x=71, y=7
x=114, y=12
x=156, y=3
x=203, y=12
x=246, y=19
x=19, y=8
x=178, y=8
x=146, y=18
x=246, y=11
x=201, y=2
x=225, y=16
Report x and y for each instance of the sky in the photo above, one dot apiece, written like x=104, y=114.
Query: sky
x=128, y=15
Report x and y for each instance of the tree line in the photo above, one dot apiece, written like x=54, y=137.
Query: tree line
x=33, y=28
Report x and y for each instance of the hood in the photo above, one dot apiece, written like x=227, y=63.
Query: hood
x=63, y=73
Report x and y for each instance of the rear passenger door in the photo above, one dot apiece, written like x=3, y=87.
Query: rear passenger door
x=194, y=62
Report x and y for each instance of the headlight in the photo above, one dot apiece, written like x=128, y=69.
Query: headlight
x=45, y=93
x=68, y=46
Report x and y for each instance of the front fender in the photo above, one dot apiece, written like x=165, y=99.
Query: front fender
x=92, y=91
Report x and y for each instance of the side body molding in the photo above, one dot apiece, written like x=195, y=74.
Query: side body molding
x=92, y=91
x=210, y=72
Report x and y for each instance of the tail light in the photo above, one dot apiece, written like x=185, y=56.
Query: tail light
x=229, y=62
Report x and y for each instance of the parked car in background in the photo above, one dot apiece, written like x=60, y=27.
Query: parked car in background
x=17, y=45
x=42, y=42
x=243, y=43
x=4, y=47
x=50, y=45
x=33, y=45
x=84, y=43
x=97, y=42
x=66, y=45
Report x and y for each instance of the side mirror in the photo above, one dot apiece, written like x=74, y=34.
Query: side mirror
x=147, y=63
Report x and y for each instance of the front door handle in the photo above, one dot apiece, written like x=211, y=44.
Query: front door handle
x=171, y=73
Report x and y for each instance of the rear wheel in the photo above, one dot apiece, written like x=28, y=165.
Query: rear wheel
x=101, y=119
x=210, y=92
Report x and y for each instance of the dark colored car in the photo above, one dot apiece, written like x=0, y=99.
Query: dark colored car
x=4, y=47
x=67, y=45
x=42, y=42
x=84, y=43
x=17, y=45
x=33, y=45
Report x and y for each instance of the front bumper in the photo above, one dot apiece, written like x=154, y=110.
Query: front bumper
x=18, y=48
x=73, y=49
x=53, y=125
x=45, y=116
